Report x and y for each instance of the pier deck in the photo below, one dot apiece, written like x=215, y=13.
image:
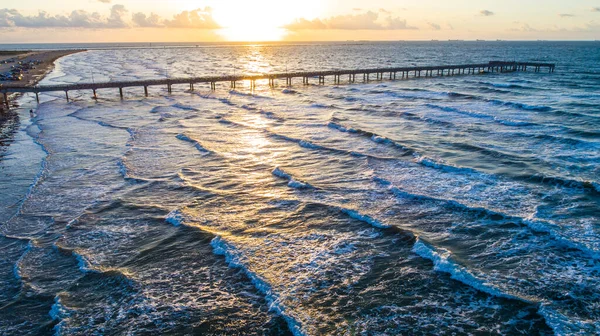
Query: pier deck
x=393, y=73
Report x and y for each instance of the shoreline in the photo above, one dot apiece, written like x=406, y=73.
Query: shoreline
x=9, y=118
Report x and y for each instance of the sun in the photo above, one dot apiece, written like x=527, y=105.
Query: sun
x=260, y=20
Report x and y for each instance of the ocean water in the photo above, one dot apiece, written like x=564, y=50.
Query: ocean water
x=455, y=205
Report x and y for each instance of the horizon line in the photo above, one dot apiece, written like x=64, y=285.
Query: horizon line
x=295, y=42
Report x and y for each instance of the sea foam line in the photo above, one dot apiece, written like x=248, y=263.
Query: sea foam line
x=562, y=325
x=194, y=142
x=479, y=115
x=442, y=261
x=38, y=177
x=586, y=186
x=292, y=183
x=235, y=260
x=58, y=312
x=538, y=226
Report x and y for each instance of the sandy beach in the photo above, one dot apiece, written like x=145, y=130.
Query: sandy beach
x=8, y=119
x=32, y=76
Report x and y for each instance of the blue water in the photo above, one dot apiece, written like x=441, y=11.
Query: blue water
x=455, y=205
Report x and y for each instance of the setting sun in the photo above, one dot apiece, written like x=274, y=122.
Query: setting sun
x=261, y=20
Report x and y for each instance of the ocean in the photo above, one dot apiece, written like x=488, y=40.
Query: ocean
x=442, y=206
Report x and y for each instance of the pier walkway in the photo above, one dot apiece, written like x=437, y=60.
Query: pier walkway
x=349, y=77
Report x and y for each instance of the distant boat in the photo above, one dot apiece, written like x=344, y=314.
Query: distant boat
x=499, y=40
x=456, y=40
x=435, y=40
x=480, y=40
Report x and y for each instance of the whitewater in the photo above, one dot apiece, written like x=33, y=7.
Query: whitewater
x=455, y=205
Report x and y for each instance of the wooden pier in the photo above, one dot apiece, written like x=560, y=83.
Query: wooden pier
x=339, y=77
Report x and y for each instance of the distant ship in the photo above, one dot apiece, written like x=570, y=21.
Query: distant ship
x=480, y=40
x=456, y=40
x=435, y=40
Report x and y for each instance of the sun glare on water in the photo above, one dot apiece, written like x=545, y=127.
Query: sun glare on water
x=261, y=20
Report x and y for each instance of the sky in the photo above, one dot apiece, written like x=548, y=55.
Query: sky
x=70, y=21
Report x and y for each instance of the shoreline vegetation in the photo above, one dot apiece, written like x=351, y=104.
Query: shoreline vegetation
x=9, y=119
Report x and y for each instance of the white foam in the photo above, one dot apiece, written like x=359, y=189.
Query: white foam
x=59, y=313
x=292, y=183
x=365, y=218
x=175, y=218
x=564, y=326
x=235, y=260
x=122, y=168
x=280, y=173
x=380, y=139
x=340, y=127
x=298, y=185
x=429, y=162
x=442, y=263
x=196, y=144
x=309, y=145
x=535, y=225
x=83, y=264
x=16, y=270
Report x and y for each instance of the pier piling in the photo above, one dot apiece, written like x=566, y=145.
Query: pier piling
x=405, y=73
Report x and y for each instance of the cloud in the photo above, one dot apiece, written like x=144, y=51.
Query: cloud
x=365, y=21
x=141, y=20
x=117, y=18
x=76, y=19
x=198, y=19
x=527, y=28
x=596, y=9
x=434, y=26
x=486, y=12
x=105, y=1
x=566, y=15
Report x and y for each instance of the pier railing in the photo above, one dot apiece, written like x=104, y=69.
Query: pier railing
x=380, y=73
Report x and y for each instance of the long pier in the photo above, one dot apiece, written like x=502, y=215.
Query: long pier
x=380, y=74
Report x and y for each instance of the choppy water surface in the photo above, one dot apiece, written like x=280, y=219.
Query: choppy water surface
x=462, y=205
